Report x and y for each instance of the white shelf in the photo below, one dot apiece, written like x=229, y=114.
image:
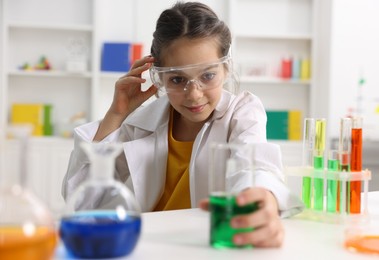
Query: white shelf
x=275, y=36
x=62, y=27
x=272, y=80
x=111, y=75
x=49, y=73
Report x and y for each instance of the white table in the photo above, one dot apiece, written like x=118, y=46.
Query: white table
x=184, y=234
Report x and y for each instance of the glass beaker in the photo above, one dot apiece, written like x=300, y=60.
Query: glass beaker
x=230, y=171
x=27, y=229
x=102, y=219
x=362, y=234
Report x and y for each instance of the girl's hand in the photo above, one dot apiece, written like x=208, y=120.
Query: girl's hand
x=268, y=228
x=128, y=94
x=127, y=97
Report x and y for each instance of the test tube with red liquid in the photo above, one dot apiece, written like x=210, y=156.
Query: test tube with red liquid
x=356, y=164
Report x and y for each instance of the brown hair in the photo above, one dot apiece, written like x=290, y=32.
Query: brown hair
x=193, y=20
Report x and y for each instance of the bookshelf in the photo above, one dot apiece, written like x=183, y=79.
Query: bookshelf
x=260, y=44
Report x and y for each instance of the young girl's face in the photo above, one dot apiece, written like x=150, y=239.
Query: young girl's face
x=203, y=83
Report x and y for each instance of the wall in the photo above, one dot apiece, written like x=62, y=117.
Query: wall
x=354, y=54
x=125, y=20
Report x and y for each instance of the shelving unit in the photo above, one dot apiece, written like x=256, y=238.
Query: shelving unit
x=32, y=29
x=261, y=42
x=30, y=33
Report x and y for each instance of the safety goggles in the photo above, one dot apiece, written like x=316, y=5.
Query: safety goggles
x=177, y=80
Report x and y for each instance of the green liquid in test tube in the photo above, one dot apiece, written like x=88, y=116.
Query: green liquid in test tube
x=332, y=184
x=308, y=146
x=318, y=196
x=318, y=163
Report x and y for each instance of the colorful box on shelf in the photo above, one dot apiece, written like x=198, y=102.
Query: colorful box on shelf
x=119, y=56
x=330, y=197
x=284, y=125
x=38, y=115
x=295, y=68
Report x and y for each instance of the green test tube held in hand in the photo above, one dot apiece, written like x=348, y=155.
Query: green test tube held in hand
x=308, y=147
x=332, y=183
x=356, y=164
x=344, y=150
x=318, y=163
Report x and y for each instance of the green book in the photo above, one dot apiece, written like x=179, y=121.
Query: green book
x=47, y=124
x=277, y=125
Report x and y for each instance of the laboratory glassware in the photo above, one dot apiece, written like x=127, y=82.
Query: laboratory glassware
x=102, y=218
x=27, y=229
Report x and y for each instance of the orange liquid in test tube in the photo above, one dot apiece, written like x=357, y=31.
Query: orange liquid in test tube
x=356, y=165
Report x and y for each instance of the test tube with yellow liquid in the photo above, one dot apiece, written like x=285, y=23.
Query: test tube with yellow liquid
x=318, y=163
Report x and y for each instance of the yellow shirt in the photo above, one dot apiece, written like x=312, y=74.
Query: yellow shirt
x=176, y=194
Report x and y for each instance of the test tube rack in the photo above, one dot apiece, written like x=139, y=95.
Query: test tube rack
x=343, y=179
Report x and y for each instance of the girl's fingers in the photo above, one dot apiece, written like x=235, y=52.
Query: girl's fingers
x=204, y=204
x=268, y=236
x=267, y=212
x=142, y=61
x=254, y=220
x=139, y=70
x=139, y=67
x=126, y=81
x=251, y=195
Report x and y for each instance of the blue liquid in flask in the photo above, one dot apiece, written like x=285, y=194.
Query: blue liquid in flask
x=101, y=234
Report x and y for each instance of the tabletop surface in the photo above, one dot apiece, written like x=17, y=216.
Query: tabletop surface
x=184, y=234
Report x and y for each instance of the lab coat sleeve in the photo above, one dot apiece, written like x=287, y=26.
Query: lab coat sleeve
x=248, y=125
x=78, y=166
x=269, y=175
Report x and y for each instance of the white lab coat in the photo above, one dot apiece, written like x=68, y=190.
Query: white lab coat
x=142, y=167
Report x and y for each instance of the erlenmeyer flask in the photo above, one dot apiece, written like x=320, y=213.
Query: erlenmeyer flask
x=102, y=219
x=27, y=229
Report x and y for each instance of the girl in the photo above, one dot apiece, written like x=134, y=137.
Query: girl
x=166, y=143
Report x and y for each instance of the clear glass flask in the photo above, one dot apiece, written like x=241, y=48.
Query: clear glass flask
x=27, y=229
x=102, y=219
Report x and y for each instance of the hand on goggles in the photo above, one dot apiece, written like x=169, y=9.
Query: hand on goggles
x=179, y=79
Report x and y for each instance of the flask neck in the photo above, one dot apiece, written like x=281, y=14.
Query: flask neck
x=102, y=157
x=102, y=168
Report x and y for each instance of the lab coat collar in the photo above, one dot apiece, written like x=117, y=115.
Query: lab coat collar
x=223, y=104
x=150, y=117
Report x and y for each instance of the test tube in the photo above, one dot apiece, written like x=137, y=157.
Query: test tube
x=332, y=183
x=318, y=163
x=356, y=164
x=308, y=147
x=344, y=150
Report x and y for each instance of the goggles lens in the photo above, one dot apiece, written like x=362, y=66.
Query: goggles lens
x=180, y=79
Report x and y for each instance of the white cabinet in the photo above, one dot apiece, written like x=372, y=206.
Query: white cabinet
x=60, y=31
x=47, y=161
x=264, y=33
